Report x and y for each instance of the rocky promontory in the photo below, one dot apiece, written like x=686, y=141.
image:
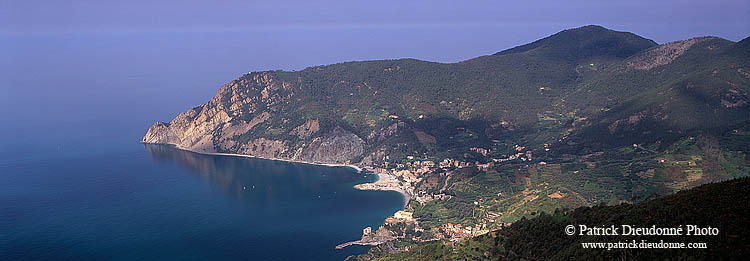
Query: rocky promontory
x=240, y=120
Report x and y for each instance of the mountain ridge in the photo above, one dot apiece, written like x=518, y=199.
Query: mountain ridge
x=482, y=80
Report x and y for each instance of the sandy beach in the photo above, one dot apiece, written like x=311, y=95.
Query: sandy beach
x=386, y=182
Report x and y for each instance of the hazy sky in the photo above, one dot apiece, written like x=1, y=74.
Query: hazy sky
x=292, y=35
x=660, y=20
x=445, y=31
x=78, y=72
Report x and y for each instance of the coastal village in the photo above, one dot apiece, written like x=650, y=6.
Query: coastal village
x=429, y=187
x=406, y=176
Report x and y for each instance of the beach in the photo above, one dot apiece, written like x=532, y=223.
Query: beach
x=386, y=182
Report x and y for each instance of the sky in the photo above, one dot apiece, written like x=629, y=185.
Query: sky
x=661, y=20
x=443, y=31
x=100, y=67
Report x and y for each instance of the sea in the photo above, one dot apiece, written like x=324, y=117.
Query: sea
x=76, y=184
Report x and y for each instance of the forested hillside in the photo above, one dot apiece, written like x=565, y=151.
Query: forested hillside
x=720, y=205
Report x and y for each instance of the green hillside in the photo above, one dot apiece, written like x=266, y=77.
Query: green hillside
x=584, y=43
x=535, y=92
x=719, y=205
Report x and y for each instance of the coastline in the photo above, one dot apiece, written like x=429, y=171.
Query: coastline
x=385, y=182
x=356, y=168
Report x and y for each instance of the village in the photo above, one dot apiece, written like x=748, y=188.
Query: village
x=405, y=176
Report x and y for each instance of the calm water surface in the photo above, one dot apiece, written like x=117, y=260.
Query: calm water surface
x=156, y=202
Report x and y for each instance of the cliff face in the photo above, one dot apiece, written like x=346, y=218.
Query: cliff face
x=252, y=101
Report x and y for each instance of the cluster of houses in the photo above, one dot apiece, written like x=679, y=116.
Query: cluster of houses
x=451, y=163
x=457, y=231
x=414, y=169
x=482, y=151
x=411, y=172
x=424, y=197
x=523, y=156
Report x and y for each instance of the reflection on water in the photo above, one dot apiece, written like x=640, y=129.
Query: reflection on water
x=183, y=205
x=258, y=180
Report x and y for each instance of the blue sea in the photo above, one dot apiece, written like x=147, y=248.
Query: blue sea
x=76, y=184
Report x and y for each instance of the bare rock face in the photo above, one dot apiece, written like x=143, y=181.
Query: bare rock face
x=225, y=124
x=190, y=130
x=266, y=148
x=199, y=128
x=662, y=54
x=161, y=133
x=338, y=146
x=307, y=129
x=377, y=136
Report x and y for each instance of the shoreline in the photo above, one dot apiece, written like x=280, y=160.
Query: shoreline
x=356, y=168
x=383, y=183
x=386, y=182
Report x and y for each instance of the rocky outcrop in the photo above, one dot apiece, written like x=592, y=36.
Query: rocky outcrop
x=625, y=123
x=225, y=124
x=338, y=146
x=190, y=130
x=662, y=54
x=263, y=147
x=307, y=129
x=161, y=133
